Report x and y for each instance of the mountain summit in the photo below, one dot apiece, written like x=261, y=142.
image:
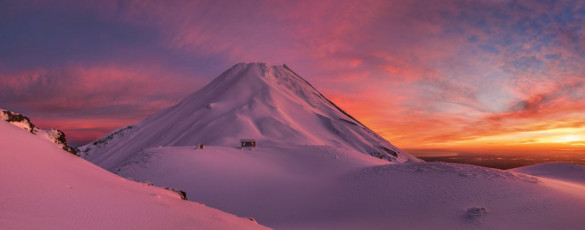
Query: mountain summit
x=271, y=104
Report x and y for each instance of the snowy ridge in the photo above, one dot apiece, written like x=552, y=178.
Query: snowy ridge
x=53, y=135
x=271, y=104
x=17, y=120
x=105, y=140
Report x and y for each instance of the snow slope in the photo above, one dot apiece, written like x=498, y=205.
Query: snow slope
x=324, y=187
x=44, y=187
x=269, y=103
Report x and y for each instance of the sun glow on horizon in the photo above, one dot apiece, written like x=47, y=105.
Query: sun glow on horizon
x=573, y=138
x=568, y=139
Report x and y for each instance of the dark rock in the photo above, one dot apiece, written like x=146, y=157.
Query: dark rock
x=475, y=212
x=183, y=194
x=17, y=117
x=389, y=151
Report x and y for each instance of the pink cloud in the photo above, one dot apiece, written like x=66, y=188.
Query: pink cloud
x=90, y=101
x=416, y=71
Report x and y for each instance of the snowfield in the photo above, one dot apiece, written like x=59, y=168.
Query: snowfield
x=319, y=187
x=44, y=187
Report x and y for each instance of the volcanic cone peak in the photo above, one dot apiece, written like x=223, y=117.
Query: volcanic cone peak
x=271, y=104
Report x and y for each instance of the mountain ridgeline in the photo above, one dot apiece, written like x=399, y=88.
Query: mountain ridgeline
x=54, y=135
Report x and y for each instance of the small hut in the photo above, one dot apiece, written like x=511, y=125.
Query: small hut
x=247, y=143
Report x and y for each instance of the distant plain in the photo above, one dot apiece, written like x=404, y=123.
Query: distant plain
x=500, y=159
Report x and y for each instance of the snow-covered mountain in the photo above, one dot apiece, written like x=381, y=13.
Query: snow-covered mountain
x=43, y=187
x=313, y=167
x=271, y=104
x=53, y=135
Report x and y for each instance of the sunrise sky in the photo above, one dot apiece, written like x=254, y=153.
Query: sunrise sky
x=424, y=74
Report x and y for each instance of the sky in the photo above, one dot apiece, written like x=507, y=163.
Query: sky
x=473, y=74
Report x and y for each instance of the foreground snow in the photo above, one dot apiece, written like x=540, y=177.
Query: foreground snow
x=44, y=187
x=323, y=187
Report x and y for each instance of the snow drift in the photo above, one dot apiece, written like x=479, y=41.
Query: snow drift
x=272, y=104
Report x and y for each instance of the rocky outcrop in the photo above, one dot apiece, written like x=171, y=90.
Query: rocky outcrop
x=17, y=119
x=58, y=137
x=53, y=135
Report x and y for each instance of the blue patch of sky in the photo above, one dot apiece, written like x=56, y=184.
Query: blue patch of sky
x=565, y=16
x=516, y=6
x=56, y=37
x=552, y=56
x=580, y=11
x=527, y=64
x=538, y=30
x=49, y=37
x=489, y=48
